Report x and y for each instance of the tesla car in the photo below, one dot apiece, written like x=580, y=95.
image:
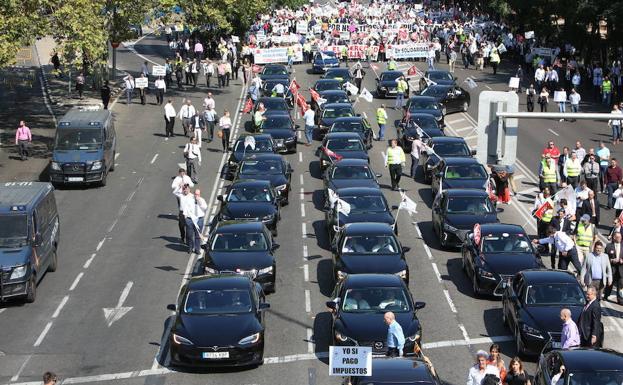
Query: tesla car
x=270, y=167
x=356, y=124
x=282, y=129
x=341, y=74
x=386, y=84
x=349, y=173
x=450, y=98
x=439, y=148
x=251, y=200
x=274, y=71
x=423, y=125
x=341, y=145
x=458, y=172
x=263, y=143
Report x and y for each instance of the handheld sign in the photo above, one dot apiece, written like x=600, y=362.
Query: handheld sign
x=141, y=82
x=350, y=361
x=513, y=82
x=560, y=96
x=158, y=70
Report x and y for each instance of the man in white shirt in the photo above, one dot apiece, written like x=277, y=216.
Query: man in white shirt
x=478, y=372
x=209, y=102
x=187, y=210
x=129, y=87
x=208, y=72
x=310, y=122
x=192, y=153
x=417, y=146
x=169, y=118
x=197, y=219
x=539, y=77
x=186, y=113
x=565, y=246
x=209, y=120
x=278, y=90
x=574, y=100
x=178, y=183
x=161, y=88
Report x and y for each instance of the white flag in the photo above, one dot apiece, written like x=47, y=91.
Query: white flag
x=567, y=193
x=350, y=87
x=343, y=207
x=366, y=95
x=249, y=141
x=407, y=204
x=321, y=101
x=471, y=83
x=332, y=197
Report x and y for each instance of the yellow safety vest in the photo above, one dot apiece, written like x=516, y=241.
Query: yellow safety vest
x=572, y=168
x=381, y=116
x=395, y=155
x=549, y=173
x=547, y=216
x=401, y=87
x=585, y=235
x=391, y=65
x=606, y=86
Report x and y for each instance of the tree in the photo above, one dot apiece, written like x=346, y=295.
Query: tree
x=21, y=21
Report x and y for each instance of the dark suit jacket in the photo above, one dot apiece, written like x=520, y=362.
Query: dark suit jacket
x=611, y=251
x=590, y=321
x=566, y=226
x=585, y=208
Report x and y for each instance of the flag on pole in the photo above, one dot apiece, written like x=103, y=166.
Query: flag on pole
x=249, y=141
x=332, y=196
x=315, y=95
x=321, y=101
x=412, y=70
x=407, y=204
x=256, y=68
x=332, y=155
x=301, y=102
x=567, y=193
x=248, y=106
x=294, y=86
x=366, y=95
x=547, y=205
x=471, y=83
x=343, y=207
x=350, y=87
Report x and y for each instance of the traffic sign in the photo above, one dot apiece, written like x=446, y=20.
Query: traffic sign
x=350, y=361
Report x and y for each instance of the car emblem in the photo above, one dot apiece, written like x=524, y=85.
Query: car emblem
x=247, y=215
x=378, y=345
x=76, y=167
x=215, y=348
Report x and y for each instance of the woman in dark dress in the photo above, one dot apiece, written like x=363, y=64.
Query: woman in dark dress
x=516, y=374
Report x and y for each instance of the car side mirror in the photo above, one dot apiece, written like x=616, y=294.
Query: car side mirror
x=264, y=306
x=378, y=175
x=473, y=152
x=395, y=207
x=171, y=307
x=406, y=249
x=220, y=198
x=275, y=246
x=419, y=305
x=332, y=305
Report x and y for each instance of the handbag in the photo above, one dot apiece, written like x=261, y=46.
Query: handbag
x=220, y=134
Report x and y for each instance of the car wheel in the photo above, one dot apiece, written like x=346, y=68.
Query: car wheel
x=54, y=263
x=475, y=287
x=31, y=292
x=104, y=178
x=274, y=231
x=519, y=346
x=114, y=156
x=465, y=106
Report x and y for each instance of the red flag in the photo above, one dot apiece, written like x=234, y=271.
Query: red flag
x=248, y=106
x=412, y=70
x=544, y=207
x=332, y=154
x=256, y=68
x=315, y=95
x=301, y=102
x=294, y=87
x=621, y=217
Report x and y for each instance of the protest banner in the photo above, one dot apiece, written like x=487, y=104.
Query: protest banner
x=277, y=54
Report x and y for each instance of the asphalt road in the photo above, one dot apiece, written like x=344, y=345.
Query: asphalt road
x=120, y=242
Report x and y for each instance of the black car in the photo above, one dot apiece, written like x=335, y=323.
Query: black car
x=423, y=125
x=366, y=204
x=398, y=370
x=270, y=167
x=386, y=84
x=263, y=144
x=456, y=211
x=251, y=200
x=493, y=253
x=269, y=84
x=272, y=105
x=282, y=129
x=349, y=173
x=341, y=145
x=582, y=366
x=444, y=78
x=330, y=96
x=451, y=98
x=358, y=305
x=356, y=124
x=341, y=74
x=218, y=322
x=274, y=71
x=439, y=148
x=323, y=61
x=531, y=305
x=329, y=112
x=423, y=105
x=245, y=248
x=458, y=172
x=328, y=85
x=369, y=248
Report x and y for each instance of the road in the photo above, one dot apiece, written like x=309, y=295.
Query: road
x=119, y=248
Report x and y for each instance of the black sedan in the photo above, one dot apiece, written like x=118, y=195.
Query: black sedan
x=493, y=253
x=358, y=305
x=263, y=145
x=330, y=96
x=458, y=172
x=439, y=148
x=369, y=248
x=272, y=104
x=386, y=84
x=581, y=366
x=365, y=204
x=329, y=113
x=423, y=125
x=349, y=173
x=455, y=212
x=423, y=105
x=341, y=145
x=218, y=322
x=323, y=61
x=269, y=85
x=341, y=74
x=437, y=77
x=328, y=85
x=251, y=200
x=451, y=98
x=244, y=248
x=398, y=370
x=270, y=167
x=282, y=129
x=274, y=71
x=531, y=306
x=356, y=124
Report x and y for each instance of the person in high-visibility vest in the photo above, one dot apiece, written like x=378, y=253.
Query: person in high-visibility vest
x=606, y=91
x=290, y=54
x=391, y=65
x=381, y=120
x=584, y=236
x=494, y=59
x=544, y=221
x=395, y=161
x=401, y=89
x=549, y=173
x=572, y=169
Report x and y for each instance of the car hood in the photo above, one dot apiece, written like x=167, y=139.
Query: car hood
x=221, y=330
x=238, y=155
x=435, y=113
x=325, y=61
x=372, y=263
x=231, y=260
x=277, y=76
x=10, y=257
x=464, y=183
x=467, y=221
x=510, y=263
x=547, y=318
x=353, y=154
x=370, y=326
x=445, y=82
x=244, y=210
x=68, y=156
x=384, y=217
x=336, y=184
x=279, y=133
x=274, y=179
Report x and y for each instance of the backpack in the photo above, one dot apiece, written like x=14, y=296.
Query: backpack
x=490, y=379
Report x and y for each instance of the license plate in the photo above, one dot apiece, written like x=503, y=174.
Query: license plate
x=215, y=355
x=75, y=179
x=556, y=345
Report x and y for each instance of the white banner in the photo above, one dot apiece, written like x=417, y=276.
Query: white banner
x=277, y=55
x=559, y=96
x=350, y=361
x=301, y=27
x=543, y=51
x=407, y=51
x=158, y=70
x=141, y=82
x=513, y=82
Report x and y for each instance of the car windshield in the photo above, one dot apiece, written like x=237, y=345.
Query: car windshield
x=470, y=205
x=239, y=242
x=327, y=55
x=224, y=301
x=472, y=171
x=440, y=76
x=337, y=74
x=78, y=139
x=325, y=86
x=375, y=299
x=336, y=98
x=425, y=123
x=419, y=104
x=339, y=112
x=275, y=70
x=365, y=203
x=347, y=127
x=250, y=194
x=451, y=149
x=260, y=146
x=390, y=76
x=370, y=244
x=270, y=84
x=435, y=91
x=276, y=122
x=267, y=166
x=351, y=172
x=595, y=377
x=506, y=243
x=344, y=145
x=275, y=104
x=13, y=230
x=555, y=294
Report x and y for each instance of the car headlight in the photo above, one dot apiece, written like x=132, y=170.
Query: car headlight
x=55, y=166
x=210, y=270
x=414, y=337
x=340, y=337
x=429, y=166
x=253, y=338
x=402, y=274
x=225, y=217
x=449, y=228
x=383, y=88
x=18, y=272
x=268, y=217
x=486, y=274
x=181, y=340
x=232, y=163
x=96, y=165
x=290, y=140
x=266, y=270
x=410, y=138
x=281, y=187
x=531, y=331
x=341, y=274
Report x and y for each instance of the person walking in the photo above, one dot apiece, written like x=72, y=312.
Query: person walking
x=591, y=329
x=565, y=246
x=574, y=101
x=179, y=73
x=395, y=336
x=494, y=59
x=480, y=369
x=591, y=172
x=530, y=96
x=198, y=218
x=543, y=223
x=209, y=102
x=613, y=250
x=381, y=120
x=570, y=336
x=168, y=73
x=613, y=175
x=197, y=125
x=395, y=161
x=596, y=270
x=221, y=74
x=80, y=80
x=186, y=113
x=604, y=160
x=520, y=75
x=606, y=91
x=194, y=71
x=543, y=99
x=452, y=60
x=615, y=125
x=224, y=124
x=105, y=94
x=129, y=88
x=23, y=139
x=417, y=146
x=572, y=169
x=169, y=118
x=516, y=373
x=192, y=154
x=310, y=122
x=161, y=89
x=401, y=89
x=549, y=173
x=209, y=119
x=539, y=78
x=180, y=183
x=187, y=210
x=141, y=89
x=208, y=71
x=359, y=74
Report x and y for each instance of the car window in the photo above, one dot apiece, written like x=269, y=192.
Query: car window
x=472, y=171
x=419, y=104
x=365, y=203
x=275, y=71
x=469, y=205
x=324, y=86
x=250, y=194
x=440, y=76
x=390, y=76
x=78, y=139
x=226, y=301
x=506, y=243
x=265, y=166
x=13, y=230
x=601, y=377
x=554, y=294
x=351, y=172
x=435, y=91
x=338, y=113
x=239, y=242
x=276, y=122
x=369, y=244
x=344, y=145
x=375, y=299
x=451, y=149
x=260, y=146
x=347, y=127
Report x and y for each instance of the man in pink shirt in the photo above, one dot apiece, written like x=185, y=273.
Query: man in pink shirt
x=198, y=50
x=22, y=138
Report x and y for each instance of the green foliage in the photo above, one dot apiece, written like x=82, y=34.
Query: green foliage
x=20, y=22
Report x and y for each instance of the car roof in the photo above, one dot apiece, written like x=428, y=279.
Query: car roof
x=496, y=228
x=423, y=98
x=437, y=72
x=224, y=281
x=238, y=227
x=342, y=135
x=84, y=118
x=275, y=65
x=355, y=191
x=358, y=119
x=264, y=99
x=367, y=228
x=422, y=115
x=338, y=69
x=372, y=280
x=548, y=276
x=589, y=360
x=324, y=80
x=264, y=156
x=401, y=370
x=332, y=92
x=456, y=161
x=250, y=182
x=465, y=192
x=391, y=72
x=336, y=105
x=16, y=197
x=256, y=136
x=447, y=139
x=352, y=162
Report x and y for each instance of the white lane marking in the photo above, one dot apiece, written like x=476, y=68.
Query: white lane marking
x=531, y=190
x=520, y=176
x=450, y=302
x=60, y=306
x=456, y=120
x=294, y=358
x=310, y=343
x=304, y=229
x=436, y=272
x=305, y=254
x=78, y=278
x=307, y=301
x=428, y=253
x=122, y=209
x=300, y=156
x=417, y=229
x=112, y=226
x=475, y=341
x=100, y=244
x=45, y=331
x=464, y=129
x=154, y=159
x=131, y=196
x=117, y=155
x=303, y=210
x=471, y=137
x=301, y=181
x=553, y=132
x=299, y=135
x=306, y=272
x=88, y=262
x=489, y=88
x=21, y=369
x=465, y=335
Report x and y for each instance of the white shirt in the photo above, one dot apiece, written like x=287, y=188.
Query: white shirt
x=574, y=98
x=169, y=111
x=187, y=111
x=129, y=83
x=474, y=377
x=209, y=102
x=225, y=122
x=179, y=182
x=309, y=117
x=187, y=205
x=279, y=88
x=193, y=151
x=200, y=207
x=161, y=84
x=416, y=148
x=539, y=74
x=615, y=122
x=562, y=241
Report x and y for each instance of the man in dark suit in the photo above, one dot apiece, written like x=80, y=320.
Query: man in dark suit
x=590, y=206
x=614, y=251
x=561, y=222
x=589, y=324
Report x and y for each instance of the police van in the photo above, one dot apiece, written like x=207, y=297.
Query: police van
x=84, y=147
x=29, y=235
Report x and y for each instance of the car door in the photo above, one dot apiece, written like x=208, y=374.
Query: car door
x=516, y=302
x=44, y=231
x=470, y=254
